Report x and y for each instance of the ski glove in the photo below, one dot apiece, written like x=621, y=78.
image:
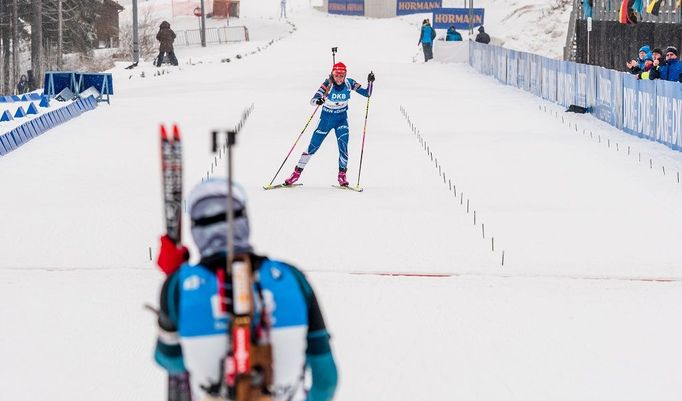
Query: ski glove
x=319, y=101
x=171, y=256
x=370, y=77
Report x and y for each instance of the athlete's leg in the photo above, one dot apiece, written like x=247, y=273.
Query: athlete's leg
x=341, y=131
x=320, y=133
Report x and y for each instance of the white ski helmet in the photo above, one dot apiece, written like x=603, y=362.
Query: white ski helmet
x=207, y=209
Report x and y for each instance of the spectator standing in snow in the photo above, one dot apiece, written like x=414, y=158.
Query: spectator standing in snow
x=283, y=9
x=452, y=35
x=166, y=37
x=426, y=37
x=482, y=37
x=22, y=85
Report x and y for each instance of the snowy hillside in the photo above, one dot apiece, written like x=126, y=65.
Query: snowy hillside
x=419, y=303
x=534, y=26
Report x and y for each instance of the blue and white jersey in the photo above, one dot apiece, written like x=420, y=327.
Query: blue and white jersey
x=338, y=96
x=203, y=326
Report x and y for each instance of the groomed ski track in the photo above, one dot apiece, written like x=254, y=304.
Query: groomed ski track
x=84, y=201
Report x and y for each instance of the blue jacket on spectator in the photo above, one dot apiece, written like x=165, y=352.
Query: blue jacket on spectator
x=640, y=61
x=428, y=34
x=453, y=35
x=672, y=71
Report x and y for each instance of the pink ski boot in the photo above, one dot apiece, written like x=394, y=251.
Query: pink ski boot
x=294, y=176
x=342, y=178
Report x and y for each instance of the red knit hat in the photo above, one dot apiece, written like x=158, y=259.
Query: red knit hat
x=339, y=68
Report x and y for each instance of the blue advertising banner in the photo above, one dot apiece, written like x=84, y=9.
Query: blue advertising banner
x=646, y=108
x=523, y=79
x=549, y=77
x=444, y=18
x=649, y=109
x=592, y=85
x=604, y=108
x=630, y=105
x=487, y=66
x=512, y=68
x=581, y=85
x=675, y=91
x=501, y=64
x=495, y=51
x=404, y=7
x=346, y=7
x=617, y=85
x=668, y=113
x=565, y=86
x=476, y=56
x=535, y=62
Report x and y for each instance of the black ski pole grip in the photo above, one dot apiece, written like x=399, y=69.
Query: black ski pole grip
x=231, y=138
x=214, y=141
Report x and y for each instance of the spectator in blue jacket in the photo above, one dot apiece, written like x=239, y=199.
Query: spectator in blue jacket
x=426, y=37
x=637, y=66
x=453, y=35
x=672, y=71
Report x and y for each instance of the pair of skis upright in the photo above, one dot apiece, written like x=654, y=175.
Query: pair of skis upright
x=171, y=167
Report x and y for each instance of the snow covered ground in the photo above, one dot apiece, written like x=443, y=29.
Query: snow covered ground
x=585, y=307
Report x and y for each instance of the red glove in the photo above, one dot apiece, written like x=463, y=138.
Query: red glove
x=171, y=256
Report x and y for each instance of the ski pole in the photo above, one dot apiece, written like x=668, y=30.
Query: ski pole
x=292, y=148
x=329, y=86
x=364, y=131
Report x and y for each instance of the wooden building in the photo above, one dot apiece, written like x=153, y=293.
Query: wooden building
x=106, y=24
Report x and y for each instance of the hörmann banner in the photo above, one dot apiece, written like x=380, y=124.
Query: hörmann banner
x=404, y=7
x=444, y=18
x=346, y=7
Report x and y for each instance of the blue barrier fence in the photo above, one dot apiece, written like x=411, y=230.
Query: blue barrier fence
x=77, y=82
x=647, y=109
x=11, y=140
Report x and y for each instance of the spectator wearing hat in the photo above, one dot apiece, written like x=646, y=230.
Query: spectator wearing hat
x=482, y=37
x=646, y=72
x=426, y=37
x=672, y=71
x=657, y=54
x=452, y=35
x=22, y=85
x=637, y=66
x=166, y=37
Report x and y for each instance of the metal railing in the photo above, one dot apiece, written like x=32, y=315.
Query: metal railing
x=225, y=34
